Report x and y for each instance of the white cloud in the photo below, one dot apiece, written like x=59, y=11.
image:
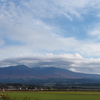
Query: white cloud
x=68, y=8
x=66, y=61
x=95, y=31
x=73, y=70
x=24, y=23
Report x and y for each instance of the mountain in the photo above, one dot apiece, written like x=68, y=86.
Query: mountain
x=26, y=75
x=23, y=72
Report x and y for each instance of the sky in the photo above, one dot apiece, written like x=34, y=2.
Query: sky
x=51, y=33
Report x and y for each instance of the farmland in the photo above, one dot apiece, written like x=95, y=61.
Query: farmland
x=55, y=95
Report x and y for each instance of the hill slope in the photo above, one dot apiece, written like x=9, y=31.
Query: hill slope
x=23, y=72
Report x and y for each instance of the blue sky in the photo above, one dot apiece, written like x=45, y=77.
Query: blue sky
x=68, y=30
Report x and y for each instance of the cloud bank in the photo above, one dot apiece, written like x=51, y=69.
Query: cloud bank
x=74, y=63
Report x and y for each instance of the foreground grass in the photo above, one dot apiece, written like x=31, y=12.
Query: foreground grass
x=57, y=95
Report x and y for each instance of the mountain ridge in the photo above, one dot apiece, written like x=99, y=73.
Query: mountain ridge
x=24, y=72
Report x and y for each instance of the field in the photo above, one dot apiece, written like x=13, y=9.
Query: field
x=57, y=95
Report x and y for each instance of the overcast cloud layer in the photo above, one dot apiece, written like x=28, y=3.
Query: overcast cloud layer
x=29, y=28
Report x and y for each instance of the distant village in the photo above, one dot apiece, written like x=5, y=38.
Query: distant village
x=47, y=87
x=18, y=86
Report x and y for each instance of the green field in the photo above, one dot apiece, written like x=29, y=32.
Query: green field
x=59, y=95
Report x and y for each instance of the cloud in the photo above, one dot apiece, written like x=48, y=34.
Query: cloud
x=74, y=63
x=95, y=31
x=68, y=8
x=24, y=29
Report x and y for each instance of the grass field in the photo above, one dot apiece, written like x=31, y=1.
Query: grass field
x=59, y=95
